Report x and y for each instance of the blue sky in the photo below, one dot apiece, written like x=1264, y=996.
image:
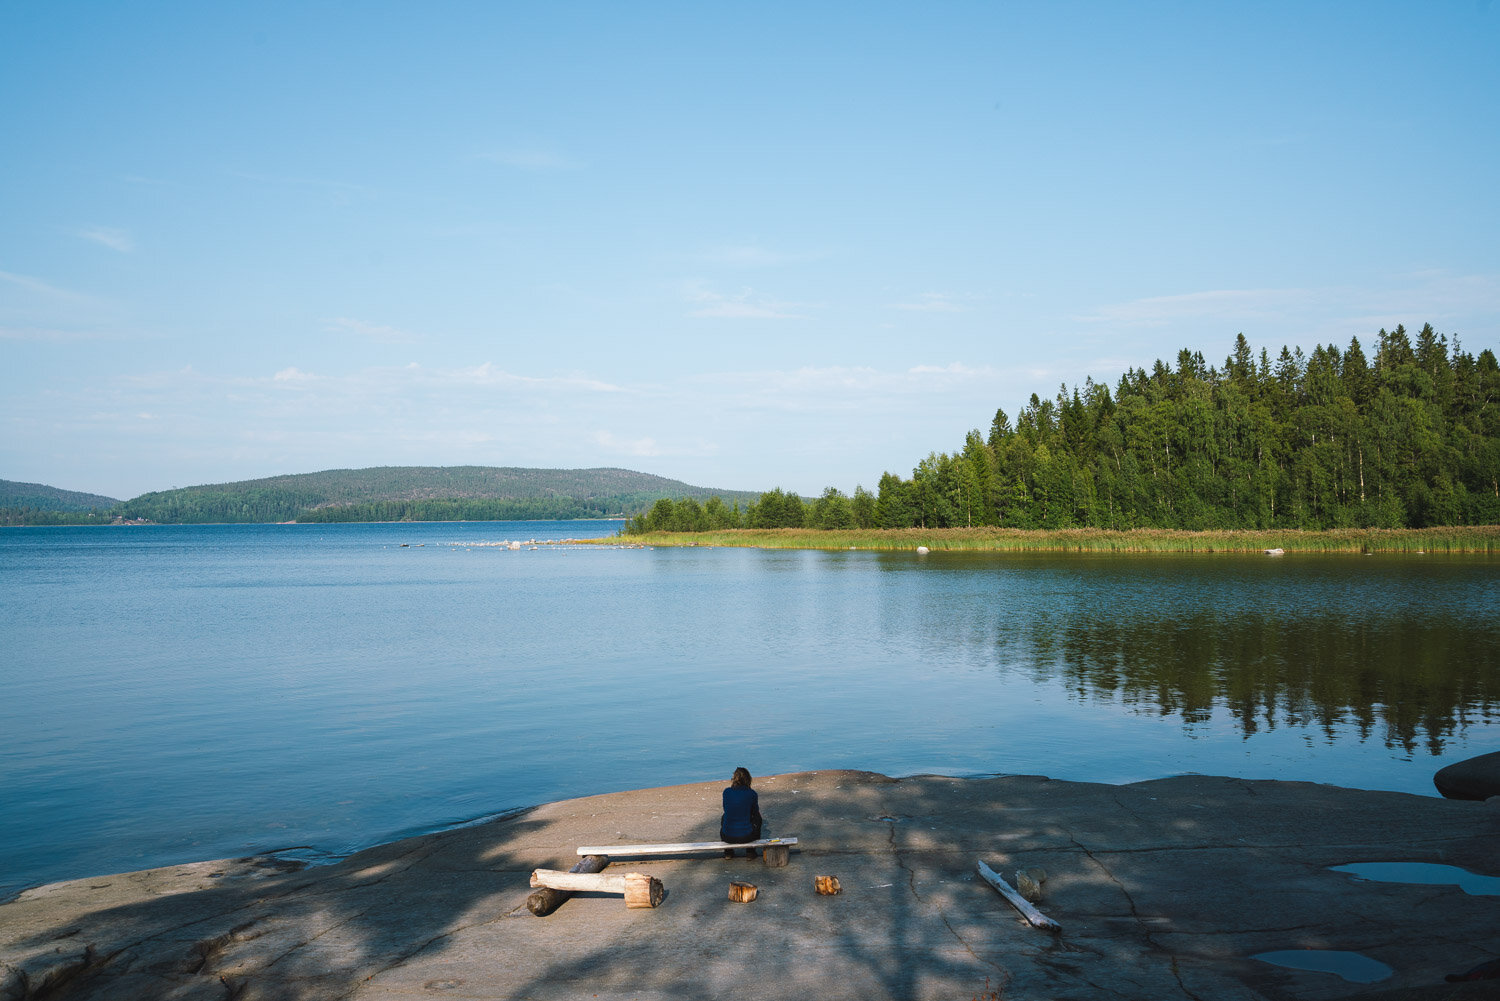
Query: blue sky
x=739, y=245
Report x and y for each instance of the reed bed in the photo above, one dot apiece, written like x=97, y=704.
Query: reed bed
x=1458, y=539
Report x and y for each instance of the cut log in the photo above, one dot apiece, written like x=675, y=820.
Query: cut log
x=742, y=893
x=1020, y=903
x=776, y=856
x=684, y=848
x=546, y=900
x=827, y=886
x=642, y=890
x=639, y=889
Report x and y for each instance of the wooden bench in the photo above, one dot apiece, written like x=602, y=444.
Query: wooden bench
x=775, y=851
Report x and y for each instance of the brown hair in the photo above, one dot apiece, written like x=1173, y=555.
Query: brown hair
x=741, y=778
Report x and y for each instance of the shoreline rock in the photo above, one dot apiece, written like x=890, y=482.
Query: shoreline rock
x=1164, y=889
x=1472, y=778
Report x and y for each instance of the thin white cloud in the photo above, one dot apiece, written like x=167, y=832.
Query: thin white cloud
x=751, y=255
x=1307, y=316
x=488, y=374
x=46, y=334
x=930, y=302
x=107, y=236
x=956, y=369
x=37, y=286
x=1239, y=304
x=338, y=192
x=1434, y=293
x=840, y=387
x=370, y=331
x=293, y=374
x=32, y=309
x=747, y=304
x=623, y=446
x=176, y=378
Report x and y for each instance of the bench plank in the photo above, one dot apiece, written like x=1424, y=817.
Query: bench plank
x=679, y=849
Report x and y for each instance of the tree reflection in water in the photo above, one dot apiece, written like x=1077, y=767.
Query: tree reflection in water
x=1406, y=651
x=1409, y=683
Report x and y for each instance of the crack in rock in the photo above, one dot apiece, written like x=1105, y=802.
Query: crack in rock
x=1141, y=922
x=899, y=856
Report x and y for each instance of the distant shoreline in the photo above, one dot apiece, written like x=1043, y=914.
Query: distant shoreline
x=144, y=523
x=1476, y=539
x=1465, y=539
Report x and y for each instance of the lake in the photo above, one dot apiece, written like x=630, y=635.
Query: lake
x=187, y=692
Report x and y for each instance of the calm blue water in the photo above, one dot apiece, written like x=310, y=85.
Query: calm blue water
x=176, y=693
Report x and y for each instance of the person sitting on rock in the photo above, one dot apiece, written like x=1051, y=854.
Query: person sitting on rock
x=742, y=821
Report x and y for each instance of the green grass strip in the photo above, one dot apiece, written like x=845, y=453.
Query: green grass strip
x=1459, y=539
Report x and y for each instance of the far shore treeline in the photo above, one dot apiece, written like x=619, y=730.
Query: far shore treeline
x=1333, y=440
x=383, y=493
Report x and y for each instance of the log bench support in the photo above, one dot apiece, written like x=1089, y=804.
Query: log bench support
x=639, y=889
x=546, y=900
x=776, y=851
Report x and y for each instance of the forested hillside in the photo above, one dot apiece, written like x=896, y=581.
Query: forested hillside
x=45, y=498
x=396, y=493
x=37, y=504
x=415, y=493
x=1335, y=439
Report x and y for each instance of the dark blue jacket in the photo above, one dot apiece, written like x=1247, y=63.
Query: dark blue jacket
x=741, y=812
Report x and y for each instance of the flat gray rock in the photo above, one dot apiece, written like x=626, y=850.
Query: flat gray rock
x=1164, y=890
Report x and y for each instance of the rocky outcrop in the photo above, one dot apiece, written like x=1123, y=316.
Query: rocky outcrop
x=1164, y=890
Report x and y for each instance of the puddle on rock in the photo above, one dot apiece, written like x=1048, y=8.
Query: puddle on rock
x=1350, y=966
x=1426, y=873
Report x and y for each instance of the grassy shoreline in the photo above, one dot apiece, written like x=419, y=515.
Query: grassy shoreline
x=1456, y=539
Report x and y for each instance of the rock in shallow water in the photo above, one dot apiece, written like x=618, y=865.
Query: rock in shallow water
x=1472, y=778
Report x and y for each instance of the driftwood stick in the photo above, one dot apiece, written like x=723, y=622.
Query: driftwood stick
x=546, y=900
x=1020, y=903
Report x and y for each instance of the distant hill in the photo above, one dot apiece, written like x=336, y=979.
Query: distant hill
x=421, y=493
x=45, y=498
